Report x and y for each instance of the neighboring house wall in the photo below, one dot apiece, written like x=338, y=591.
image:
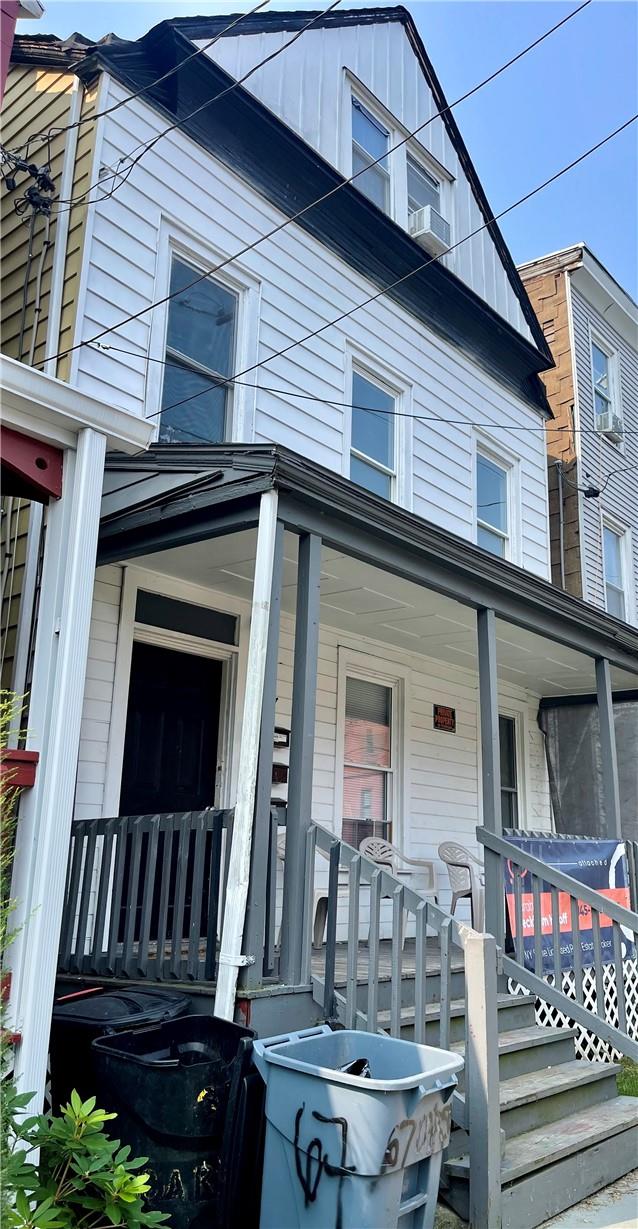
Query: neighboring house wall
x=84, y=177
x=292, y=285
x=14, y=530
x=548, y=295
x=36, y=99
x=440, y=793
x=599, y=456
x=379, y=63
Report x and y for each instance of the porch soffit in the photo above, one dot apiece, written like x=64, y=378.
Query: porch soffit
x=223, y=497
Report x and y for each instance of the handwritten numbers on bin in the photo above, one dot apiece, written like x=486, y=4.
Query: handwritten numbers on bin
x=417, y=1138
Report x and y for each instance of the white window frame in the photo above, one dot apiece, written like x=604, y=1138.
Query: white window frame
x=614, y=399
x=506, y=460
x=397, y=161
x=623, y=532
x=364, y=364
x=381, y=122
x=518, y=711
x=175, y=241
x=371, y=669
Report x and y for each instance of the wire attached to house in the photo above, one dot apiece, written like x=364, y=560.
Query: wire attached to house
x=120, y=177
x=592, y=491
x=300, y=213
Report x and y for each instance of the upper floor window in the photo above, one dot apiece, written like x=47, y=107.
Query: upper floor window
x=200, y=349
x=370, y=140
x=613, y=563
x=423, y=188
x=607, y=410
x=492, y=505
x=372, y=443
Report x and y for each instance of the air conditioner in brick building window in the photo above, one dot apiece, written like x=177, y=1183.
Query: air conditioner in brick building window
x=430, y=229
x=610, y=424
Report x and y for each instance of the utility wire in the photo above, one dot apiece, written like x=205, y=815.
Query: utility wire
x=120, y=177
x=400, y=280
x=229, y=381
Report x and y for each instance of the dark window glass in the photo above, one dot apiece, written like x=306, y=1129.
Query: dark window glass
x=158, y=611
x=509, y=784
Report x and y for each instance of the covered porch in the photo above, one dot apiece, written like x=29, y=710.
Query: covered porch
x=295, y=587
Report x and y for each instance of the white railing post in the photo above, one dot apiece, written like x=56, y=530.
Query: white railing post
x=482, y=1082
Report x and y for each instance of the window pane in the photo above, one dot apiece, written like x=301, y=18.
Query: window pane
x=423, y=189
x=509, y=809
x=491, y=490
x=203, y=418
x=374, y=183
x=201, y=321
x=490, y=541
x=602, y=404
x=368, y=132
x=613, y=557
x=601, y=369
x=507, y=742
x=370, y=477
x=368, y=710
x=372, y=433
x=615, y=602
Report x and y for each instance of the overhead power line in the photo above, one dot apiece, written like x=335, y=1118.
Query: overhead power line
x=143, y=148
x=285, y=393
x=312, y=205
x=406, y=276
x=58, y=130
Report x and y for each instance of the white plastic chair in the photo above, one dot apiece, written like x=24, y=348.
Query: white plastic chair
x=464, y=880
x=385, y=854
x=320, y=903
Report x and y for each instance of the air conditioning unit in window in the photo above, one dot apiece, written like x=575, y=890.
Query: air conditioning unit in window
x=430, y=229
x=610, y=424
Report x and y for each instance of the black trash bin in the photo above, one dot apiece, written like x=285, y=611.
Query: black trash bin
x=187, y=1098
x=80, y=1017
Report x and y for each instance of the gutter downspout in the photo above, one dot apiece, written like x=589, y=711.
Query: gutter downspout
x=63, y=223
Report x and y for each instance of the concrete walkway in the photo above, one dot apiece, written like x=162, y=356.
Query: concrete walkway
x=614, y=1208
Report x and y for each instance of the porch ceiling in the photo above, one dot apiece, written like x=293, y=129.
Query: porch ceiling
x=366, y=602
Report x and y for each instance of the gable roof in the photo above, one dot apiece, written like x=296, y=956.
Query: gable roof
x=196, y=28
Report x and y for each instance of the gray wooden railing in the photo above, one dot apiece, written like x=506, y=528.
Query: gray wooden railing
x=144, y=896
x=528, y=875
x=356, y=887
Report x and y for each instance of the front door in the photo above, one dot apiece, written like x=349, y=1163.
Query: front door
x=170, y=761
x=172, y=728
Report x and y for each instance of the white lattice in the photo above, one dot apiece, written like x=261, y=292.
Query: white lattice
x=589, y=1044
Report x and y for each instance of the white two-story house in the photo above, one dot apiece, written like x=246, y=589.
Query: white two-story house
x=327, y=582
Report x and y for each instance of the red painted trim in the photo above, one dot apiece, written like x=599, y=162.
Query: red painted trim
x=36, y=465
x=19, y=765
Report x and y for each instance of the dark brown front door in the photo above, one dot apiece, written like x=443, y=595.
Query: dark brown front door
x=172, y=728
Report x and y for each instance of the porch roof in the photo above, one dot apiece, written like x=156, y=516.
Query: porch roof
x=173, y=495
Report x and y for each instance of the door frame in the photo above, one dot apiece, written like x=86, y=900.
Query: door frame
x=233, y=658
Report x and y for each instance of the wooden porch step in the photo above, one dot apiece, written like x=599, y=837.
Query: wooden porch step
x=531, y=1048
x=537, y=1085
x=545, y=1146
x=505, y=1004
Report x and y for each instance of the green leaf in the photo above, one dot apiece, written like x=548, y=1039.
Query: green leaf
x=114, y=1213
x=76, y=1103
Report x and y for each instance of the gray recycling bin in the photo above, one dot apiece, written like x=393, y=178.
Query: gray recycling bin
x=349, y=1152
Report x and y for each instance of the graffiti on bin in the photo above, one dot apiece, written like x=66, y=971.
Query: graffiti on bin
x=415, y=1139
x=311, y=1162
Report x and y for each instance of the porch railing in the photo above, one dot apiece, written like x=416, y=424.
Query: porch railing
x=145, y=895
x=604, y=1014
x=356, y=888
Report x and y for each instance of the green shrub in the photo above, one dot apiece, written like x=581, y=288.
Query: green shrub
x=81, y=1178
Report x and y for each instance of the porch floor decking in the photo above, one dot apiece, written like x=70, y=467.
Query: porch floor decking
x=384, y=967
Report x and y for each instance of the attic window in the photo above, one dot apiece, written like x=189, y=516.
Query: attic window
x=370, y=140
x=423, y=188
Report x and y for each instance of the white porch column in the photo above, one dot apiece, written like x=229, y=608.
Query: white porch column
x=230, y=956
x=55, y=712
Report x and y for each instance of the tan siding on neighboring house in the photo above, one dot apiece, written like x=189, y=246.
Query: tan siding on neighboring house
x=84, y=176
x=548, y=294
x=36, y=99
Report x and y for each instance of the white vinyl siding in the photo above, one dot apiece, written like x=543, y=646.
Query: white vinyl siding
x=380, y=57
x=299, y=286
x=618, y=502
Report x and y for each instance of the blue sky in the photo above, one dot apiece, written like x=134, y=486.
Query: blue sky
x=559, y=100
